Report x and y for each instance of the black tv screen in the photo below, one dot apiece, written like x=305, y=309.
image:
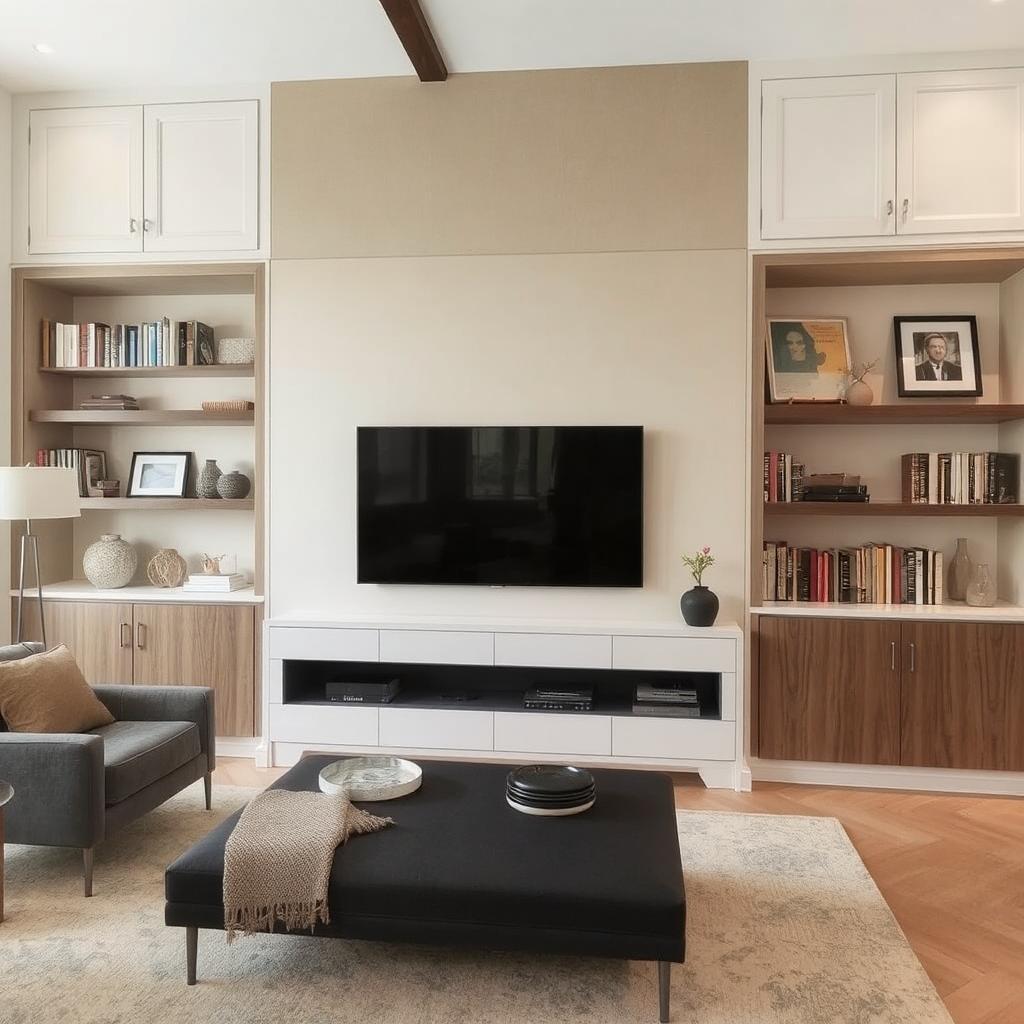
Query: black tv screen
x=501, y=506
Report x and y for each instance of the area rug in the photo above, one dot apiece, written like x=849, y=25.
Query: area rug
x=785, y=927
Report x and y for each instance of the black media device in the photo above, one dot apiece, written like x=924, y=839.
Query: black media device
x=562, y=698
x=501, y=506
x=344, y=692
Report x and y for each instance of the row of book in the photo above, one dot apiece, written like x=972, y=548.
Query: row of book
x=869, y=574
x=160, y=343
x=960, y=478
x=782, y=477
x=90, y=465
x=220, y=583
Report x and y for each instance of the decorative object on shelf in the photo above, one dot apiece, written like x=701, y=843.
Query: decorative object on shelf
x=550, y=790
x=36, y=492
x=937, y=356
x=110, y=562
x=960, y=572
x=206, y=485
x=240, y=351
x=858, y=391
x=159, y=474
x=121, y=403
x=981, y=591
x=109, y=488
x=230, y=405
x=233, y=485
x=808, y=360
x=94, y=469
x=166, y=568
x=205, y=353
x=699, y=605
x=210, y=564
x=371, y=778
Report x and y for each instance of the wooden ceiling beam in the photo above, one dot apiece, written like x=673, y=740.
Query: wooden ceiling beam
x=410, y=25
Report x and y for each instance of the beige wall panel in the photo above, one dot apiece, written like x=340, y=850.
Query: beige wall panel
x=646, y=158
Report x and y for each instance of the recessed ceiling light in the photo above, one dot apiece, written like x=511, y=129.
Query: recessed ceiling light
x=43, y=48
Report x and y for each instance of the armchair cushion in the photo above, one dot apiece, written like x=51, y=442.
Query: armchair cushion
x=137, y=754
x=47, y=693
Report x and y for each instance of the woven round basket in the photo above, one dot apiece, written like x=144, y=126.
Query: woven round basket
x=166, y=568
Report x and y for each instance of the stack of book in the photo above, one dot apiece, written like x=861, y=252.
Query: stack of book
x=109, y=402
x=869, y=574
x=95, y=345
x=675, y=700
x=834, y=487
x=961, y=478
x=782, y=477
x=224, y=583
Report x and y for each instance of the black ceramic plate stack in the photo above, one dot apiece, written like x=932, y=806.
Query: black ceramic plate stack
x=550, y=790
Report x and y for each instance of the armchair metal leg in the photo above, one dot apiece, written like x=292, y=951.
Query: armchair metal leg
x=87, y=870
x=191, y=953
x=208, y=788
x=664, y=989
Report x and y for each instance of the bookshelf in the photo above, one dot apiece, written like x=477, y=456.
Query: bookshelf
x=184, y=372
x=885, y=509
x=143, y=417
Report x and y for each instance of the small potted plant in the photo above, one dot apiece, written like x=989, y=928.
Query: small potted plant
x=699, y=605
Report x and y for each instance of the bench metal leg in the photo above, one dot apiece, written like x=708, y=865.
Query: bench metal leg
x=664, y=983
x=87, y=870
x=208, y=789
x=191, y=953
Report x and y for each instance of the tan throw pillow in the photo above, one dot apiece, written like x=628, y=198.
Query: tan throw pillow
x=48, y=693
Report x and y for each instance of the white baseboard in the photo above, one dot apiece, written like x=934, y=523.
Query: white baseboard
x=930, y=780
x=242, y=746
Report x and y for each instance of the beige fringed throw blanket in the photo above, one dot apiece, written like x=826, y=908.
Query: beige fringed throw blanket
x=277, y=861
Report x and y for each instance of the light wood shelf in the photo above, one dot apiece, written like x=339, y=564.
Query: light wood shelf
x=953, y=611
x=221, y=370
x=83, y=590
x=840, y=414
x=169, y=504
x=143, y=417
x=887, y=508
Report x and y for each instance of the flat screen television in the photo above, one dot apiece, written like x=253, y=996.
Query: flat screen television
x=501, y=506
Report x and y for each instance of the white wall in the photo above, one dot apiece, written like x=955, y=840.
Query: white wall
x=656, y=339
x=5, y=332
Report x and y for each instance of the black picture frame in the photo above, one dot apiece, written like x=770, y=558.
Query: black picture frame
x=176, y=491
x=964, y=366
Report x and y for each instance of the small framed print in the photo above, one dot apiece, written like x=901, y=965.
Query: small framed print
x=808, y=359
x=937, y=356
x=94, y=469
x=159, y=474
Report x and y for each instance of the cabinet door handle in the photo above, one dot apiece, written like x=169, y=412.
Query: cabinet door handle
x=147, y=223
x=132, y=225
x=906, y=208
x=913, y=658
x=889, y=207
x=126, y=638
x=892, y=655
x=140, y=635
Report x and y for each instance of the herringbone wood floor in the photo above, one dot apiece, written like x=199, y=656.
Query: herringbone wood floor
x=951, y=868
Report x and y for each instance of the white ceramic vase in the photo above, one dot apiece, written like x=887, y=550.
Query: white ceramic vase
x=110, y=562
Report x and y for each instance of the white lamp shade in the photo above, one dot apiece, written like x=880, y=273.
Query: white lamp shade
x=38, y=492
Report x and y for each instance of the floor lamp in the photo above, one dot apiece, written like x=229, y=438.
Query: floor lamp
x=36, y=492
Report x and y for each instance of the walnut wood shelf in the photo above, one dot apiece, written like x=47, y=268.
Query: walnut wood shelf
x=143, y=417
x=887, y=508
x=869, y=415
x=169, y=504
x=224, y=370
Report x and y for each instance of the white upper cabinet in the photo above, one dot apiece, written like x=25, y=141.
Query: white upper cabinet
x=85, y=180
x=961, y=152
x=202, y=176
x=180, y=177
x=828, y=157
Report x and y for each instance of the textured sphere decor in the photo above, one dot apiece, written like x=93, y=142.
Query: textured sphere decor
x=233, y=485
x=166, y=568
x=110, y=562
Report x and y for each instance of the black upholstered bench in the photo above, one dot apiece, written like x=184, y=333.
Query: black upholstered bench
x=461, y=868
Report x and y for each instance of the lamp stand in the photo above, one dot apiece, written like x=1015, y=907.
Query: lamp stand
x=29, y=540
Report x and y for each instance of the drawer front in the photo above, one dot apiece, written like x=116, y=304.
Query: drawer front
x=441, y=730
x=537, y=733
x=436, y=647
x=677, y=738
x=674, y=654
x=306, y=644
x=553, y=650
x=315, y=723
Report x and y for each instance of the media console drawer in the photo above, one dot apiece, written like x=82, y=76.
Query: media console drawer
x=308, y=643
x=442, y=730
x=553, y=650
x=542, y=733
x=674, y=654
x=320, y=723
x=436, y=647
x=680, y=739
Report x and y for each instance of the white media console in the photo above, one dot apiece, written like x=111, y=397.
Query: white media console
x=489, y=665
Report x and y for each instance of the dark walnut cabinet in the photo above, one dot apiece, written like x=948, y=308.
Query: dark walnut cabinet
x=861, y=691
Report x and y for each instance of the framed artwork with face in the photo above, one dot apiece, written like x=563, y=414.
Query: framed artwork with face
x=808, y=359
x=937, y=356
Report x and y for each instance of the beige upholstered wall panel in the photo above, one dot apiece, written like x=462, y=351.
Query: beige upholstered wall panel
x=605, y=159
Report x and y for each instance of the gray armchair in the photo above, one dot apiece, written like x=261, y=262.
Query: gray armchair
x=76, y=789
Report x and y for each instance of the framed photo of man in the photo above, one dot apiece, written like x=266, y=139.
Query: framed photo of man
x=937, y=356
x=808, y=358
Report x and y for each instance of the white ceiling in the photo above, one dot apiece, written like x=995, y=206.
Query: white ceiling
x=111, y=44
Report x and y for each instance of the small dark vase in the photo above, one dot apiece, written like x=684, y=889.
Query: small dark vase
x=699, y=606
